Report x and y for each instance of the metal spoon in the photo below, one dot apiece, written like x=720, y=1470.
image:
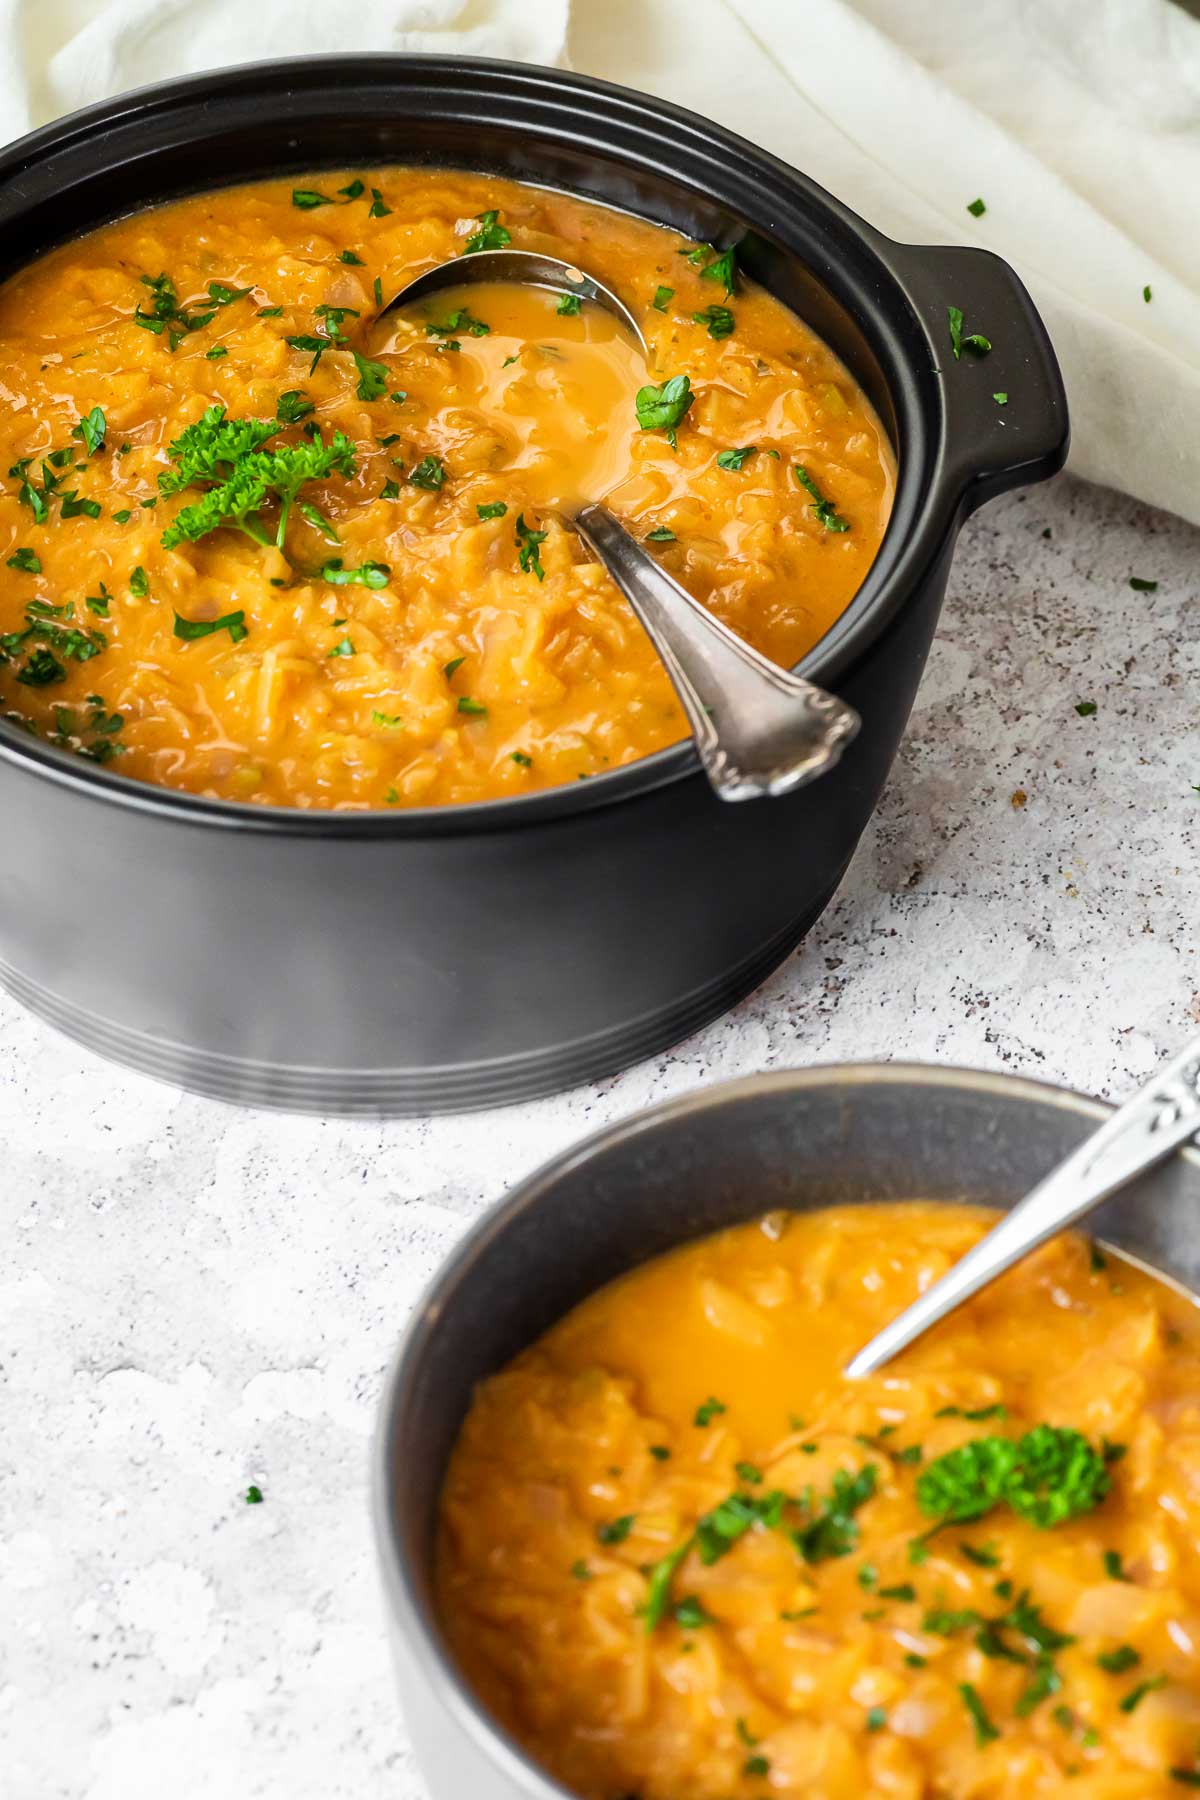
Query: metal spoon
x=1145, y=1131
x=758, y=728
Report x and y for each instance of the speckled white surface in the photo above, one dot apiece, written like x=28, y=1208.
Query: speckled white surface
x=193, y=1298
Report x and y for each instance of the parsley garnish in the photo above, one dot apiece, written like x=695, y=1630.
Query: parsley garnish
x=1114, y=1568
x=834, y=1532
x=904, y=1590
x=1120, y=1660
x=390, y=490
x=368, y=574
x=528, y=543
x=1050, y=1475
x=139, y=583
x=985, y=1731
x=42, y=669
x=254, y=1496
x=348, y=256
x=997, y=1410
x=755, y=1765
x=429, y=474
x=99, y=603
x=91, y=429
x=1141, y=586
x=344, y=648
x=390, y=720
x=1135, y=1696
x=876, y=1718
x=307, y=199
x=616, y=1530
x=123, y=517
x=664, y=408
x=580, y=1570
x=229, y=454
x=293, y=406
x=981, y=1557
x=723, y=269
x=190, y=629
x=166, y=314
x=1001, y=399
x=662, y=298
x=1085, y=708
x=460, y=320
x=718, y=319
x=977, y=209
x=706, y=1413
x=490, y=236
x=377, y=209
x=977, y=345
x=372, y=378
x=25, y=560
x=478, y=710
x=733, y=459
x=495, y=509
x=526, y=762
x=75, y=508
x=354, y=191
x=748, y=1471
x=569, y=305
x=1147, y=296
x=215, y=354
x=690, y=1614
x=662, y=534
x=825, y=511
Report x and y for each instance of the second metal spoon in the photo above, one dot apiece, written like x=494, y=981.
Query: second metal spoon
x=759, y=729
x=1147, y=1129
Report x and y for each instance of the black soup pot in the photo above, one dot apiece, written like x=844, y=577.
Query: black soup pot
x=791, y=1141
x=457, y=957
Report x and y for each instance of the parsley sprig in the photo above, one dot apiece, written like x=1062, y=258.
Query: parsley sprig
x=244, y=476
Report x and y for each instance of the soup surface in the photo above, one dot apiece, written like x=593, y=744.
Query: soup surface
x=201, y=578
x=682, y=1558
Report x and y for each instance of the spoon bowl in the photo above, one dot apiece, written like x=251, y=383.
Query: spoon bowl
x=759, y=730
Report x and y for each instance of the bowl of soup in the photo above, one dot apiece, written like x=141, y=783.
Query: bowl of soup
x=303, y=670
x=640, y=1536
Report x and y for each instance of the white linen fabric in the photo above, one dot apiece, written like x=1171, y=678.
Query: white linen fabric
x=1076, y=121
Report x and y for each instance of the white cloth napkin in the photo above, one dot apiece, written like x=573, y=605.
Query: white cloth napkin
x=1076, y=121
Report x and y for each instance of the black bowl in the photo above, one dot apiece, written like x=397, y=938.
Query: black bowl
x=791, y=1141
x=455, y=957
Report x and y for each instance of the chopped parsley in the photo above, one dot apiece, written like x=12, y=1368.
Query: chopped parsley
x=661, y=535
x=354, y=191
x=756, y=1765
x=1048, y=1476
x=876, y=1718
x=660, y=1452
x=1133, y=1699
x=123, y=517
x=1120, y=1660
x=191, y=629
x=368, y=574
x=1141, y=586
x=27, y=561
x=904, y=1590
x=1114, y=1568
x=75, y=508
x=166, y=316
x=490, y=236
x=139, y=583
x=690, y=1614
x=976, y=208
x=477, y=710
x=91, y=429
x=99, y=603
x=982, y=1557
x=348, y=256
x=718, y=320
x=616, y=1530
x=459, y=320
x=985, y=1731
x=825, y=511
x=664, y=408
x=975, y=343
x=372, y=378
x=216, y=353
x=997, y=1410
x=834, y=1532
x=308, y=199
x=390, y=490
x=723, y=269
x=377, y=290
x=662, y=298
x=377, y=209
x=749, y=1472
x=526, y=762
x=708, y=1411
x=733, y=459
x=292, y=407
x=254, y=1495
x=42, y=669
x=429, y=474
x=494, y=509
x=388, y=720
x=569, y=305
x=1001, y=398
x=1085, y=708
x=1147, y=296
x=528, y=544
x=344, y=648
x=580, y=1570
x=449, y=669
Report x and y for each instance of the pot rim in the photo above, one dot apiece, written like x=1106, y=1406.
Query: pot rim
x=929, y=498
x=404, y=1606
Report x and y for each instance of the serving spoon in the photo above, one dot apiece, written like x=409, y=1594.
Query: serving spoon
x=1144, y=1132
x=759, y=729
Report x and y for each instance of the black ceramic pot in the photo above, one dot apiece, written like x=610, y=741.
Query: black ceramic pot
x=440, y=959
x=791, y=1141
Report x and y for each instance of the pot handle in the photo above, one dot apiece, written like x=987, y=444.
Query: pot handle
x=990, y=443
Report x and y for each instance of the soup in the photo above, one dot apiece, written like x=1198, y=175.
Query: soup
x=255, y=544
x=682, y=1558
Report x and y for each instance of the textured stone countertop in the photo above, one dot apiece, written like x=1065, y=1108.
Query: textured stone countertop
x=194, y=1298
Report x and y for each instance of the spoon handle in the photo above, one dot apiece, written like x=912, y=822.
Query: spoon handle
x=1159, y=1118
x=758, y=728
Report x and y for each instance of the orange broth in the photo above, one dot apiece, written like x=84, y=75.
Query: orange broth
x=880, y=1658
x=411, y=643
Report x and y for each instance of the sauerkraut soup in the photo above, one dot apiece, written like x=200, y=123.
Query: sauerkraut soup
x=255, y=545
x=682, y=1558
